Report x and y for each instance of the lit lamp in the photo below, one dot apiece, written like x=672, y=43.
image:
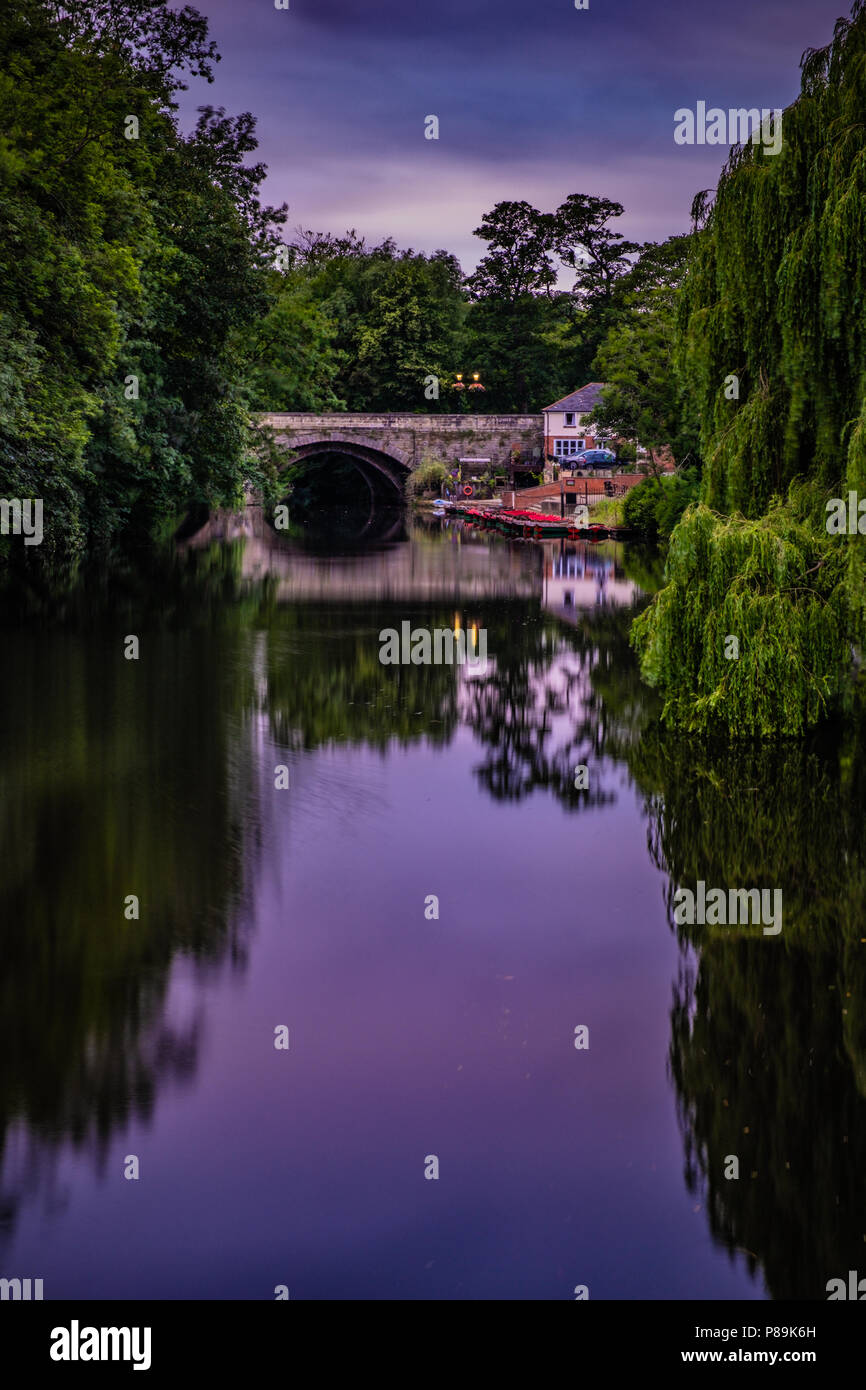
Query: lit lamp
x=460, y=385
x=474, y=385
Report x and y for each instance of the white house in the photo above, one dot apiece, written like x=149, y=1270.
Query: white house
x=565, y=428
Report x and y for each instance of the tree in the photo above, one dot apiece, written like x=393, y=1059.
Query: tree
x=585, y=243
x=750, y=636
x=514, y=308
x=637, y=360
x=391, y=316
x=536, y=341
x=774, y=297
x=128, y=266
x=290, y=359
x=771, y=306
x=404, y=332
x=519, y=259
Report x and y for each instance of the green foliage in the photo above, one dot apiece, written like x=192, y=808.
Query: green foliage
x=776, y=291
x=778, y=586
x=520, y=351
x=772, y=353
x=608, y=511
x=519, y=259
x=428, y=478
x=373, y=322
x=637, y=359
x=291, y=361
x=678, y=492
x=654, y=507
x=532, y=342
x=121, y=258
x=639, y=508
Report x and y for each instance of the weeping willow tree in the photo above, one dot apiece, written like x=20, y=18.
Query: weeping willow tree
x=776, y=291
x=772, y=354
x=749, y=634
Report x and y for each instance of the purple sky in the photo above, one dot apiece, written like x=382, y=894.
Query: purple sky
x=535, y=100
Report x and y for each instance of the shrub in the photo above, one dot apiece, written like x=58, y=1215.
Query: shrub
x=639, y=508
x=654, y=507
x=428, y=477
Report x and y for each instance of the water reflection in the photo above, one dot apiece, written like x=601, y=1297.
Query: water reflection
x=115, y=781
x=768, y=1049
x=156, y=778
x=577, y=577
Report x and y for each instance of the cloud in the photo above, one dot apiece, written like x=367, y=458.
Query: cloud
x=534, y=101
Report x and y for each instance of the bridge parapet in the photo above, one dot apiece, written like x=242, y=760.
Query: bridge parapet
x=343, y=419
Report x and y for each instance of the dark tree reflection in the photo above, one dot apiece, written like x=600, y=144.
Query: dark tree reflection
x=768, y=1035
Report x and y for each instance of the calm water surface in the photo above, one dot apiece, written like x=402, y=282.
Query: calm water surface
x=410, y=1037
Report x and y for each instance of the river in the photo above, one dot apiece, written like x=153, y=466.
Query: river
x=508, y=1073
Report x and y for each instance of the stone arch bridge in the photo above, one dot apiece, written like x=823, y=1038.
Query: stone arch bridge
x=392, y=446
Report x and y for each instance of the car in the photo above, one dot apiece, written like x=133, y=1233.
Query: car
x=594, y=458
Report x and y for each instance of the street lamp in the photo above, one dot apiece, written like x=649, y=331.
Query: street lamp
x=461, y=385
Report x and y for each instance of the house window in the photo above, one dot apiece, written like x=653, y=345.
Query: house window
x=562, y=448
x=569, y=421
x=581, y=444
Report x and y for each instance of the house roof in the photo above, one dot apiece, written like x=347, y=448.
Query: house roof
x=581, y=401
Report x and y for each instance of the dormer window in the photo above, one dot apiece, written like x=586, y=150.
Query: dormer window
x=569, y=420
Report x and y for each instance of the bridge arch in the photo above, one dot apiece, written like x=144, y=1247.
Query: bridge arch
x=391, y=463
